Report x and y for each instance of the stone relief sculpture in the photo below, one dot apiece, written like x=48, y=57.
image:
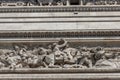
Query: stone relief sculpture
x=58, y=55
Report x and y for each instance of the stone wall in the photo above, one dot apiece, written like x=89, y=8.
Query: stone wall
x=96, y=28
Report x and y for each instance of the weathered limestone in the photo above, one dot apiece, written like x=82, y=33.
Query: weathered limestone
x=29, y=31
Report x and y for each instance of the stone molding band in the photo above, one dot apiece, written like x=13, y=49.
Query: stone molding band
x=59, y=9
x=57, y=70
x=90, y=76
x=60, y=34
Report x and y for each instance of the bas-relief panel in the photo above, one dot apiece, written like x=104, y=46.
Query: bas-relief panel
x=58, y=55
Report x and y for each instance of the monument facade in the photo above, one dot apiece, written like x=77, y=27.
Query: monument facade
x=59, y=39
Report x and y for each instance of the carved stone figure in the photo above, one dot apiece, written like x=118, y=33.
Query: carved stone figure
x=85, y=58
x=110, y=63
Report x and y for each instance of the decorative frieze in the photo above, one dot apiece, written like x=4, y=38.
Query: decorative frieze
x=58, y=55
